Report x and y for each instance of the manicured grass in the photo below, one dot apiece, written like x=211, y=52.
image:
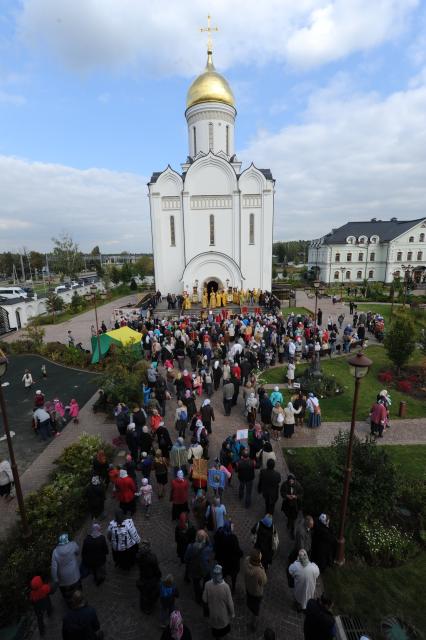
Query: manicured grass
x=338, y=409
x=296, y=310
x=355, y=587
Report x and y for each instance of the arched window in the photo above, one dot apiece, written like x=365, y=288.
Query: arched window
x=362, y=239
x=359, y=275
x=360, y=257
x=372, y=257
x=348, y=275
x=409, y=255
x=336, y=275
x=337, y=258
x=422, y=237
x=411, y=239
x=374, y=239
x=172, y=231
x=349, y=257
x=371, y=274
x=211, y=223
x=194, y=138
x=350, y=240
x=227, y=139
x=210, y=136
x=419, y=255
x=399, y=256
x=251, y=229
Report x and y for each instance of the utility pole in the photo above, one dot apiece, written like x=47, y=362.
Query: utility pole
x=22, y=267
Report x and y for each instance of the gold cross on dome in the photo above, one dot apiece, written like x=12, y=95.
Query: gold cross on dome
x=209, y=29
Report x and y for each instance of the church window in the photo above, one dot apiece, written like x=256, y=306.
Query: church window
x=409, y=255
x=337, y=257
x=172, y=231
x=251, y=229
x=371, y=274
x=336, y=275
x=194, y=134
x=210, y=136
x=211, y=222
x=422, y=237
x=359, y=275
x=360, y=257
x=420, y=255
x=348, y=275
x=372, y=257
x=399, y=256
x=227, y=139
x=349, y=257
x=411, y=239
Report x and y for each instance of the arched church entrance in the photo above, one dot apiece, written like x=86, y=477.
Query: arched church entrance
x=212, y=285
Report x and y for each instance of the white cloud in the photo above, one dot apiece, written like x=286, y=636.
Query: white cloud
x=353, y=157
x=162, y=36
x=96, y=206
x=11, y=98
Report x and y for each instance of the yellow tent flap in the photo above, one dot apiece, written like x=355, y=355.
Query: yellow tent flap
x=125, y=335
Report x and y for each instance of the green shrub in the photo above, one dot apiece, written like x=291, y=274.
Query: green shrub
x=56, y=507
x=322, y=386
x=385, y=546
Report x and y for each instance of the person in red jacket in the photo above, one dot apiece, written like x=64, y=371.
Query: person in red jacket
x=378, y=416
x=126, y=490
x=40, y=599
x=39, y=399
x=179, y=495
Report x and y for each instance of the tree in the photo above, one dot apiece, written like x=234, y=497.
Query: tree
x=144, y=266
x=95, y=251
x=400, y=340
x=274, y=272
x=66, y=256
x=77, y=302
x=115, y=275
x=54, y=303
x=126, y=273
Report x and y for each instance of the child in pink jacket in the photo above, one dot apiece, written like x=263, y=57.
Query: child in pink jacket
x=74, y=410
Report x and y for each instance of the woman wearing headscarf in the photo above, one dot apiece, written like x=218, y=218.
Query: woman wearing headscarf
x=276, y=396
x=255, y=581
x=181, y=418
x=101, y=467
x=252, y=404
x=94, y=553
x=217, y=374
x=95, y=494
x=323, y=543
x=218, y=598
x=179, y=495
x=289, y=419
x=65, y=567
x=149, y=578
x=277, y=420
x=265, y=538
x=265, y=454
x=207, y=414
x=292, y=495
x=265, y=408
x=124, y=540
x=299, y=402
x=176, y=629
x=228, y=552
x=184, y=535
x=189, y=402
x=160, y=466
x=304, y=574
x=314, y=411
x=126, y=489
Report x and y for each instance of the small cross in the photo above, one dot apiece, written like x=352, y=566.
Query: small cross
x=209, y=29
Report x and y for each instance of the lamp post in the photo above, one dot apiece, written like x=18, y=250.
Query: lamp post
x=92, y=295
x=359, y=366
x=318, y=291
x=408, y=270
x=26, y=531
x=342, y=271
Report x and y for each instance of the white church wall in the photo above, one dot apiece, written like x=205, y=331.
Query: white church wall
x=214, y=128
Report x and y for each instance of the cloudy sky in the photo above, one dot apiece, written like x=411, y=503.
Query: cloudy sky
x=331, y=95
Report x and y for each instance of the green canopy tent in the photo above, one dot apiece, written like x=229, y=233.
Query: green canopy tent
x=123, y=335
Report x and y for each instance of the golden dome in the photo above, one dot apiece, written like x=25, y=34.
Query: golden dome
x=210, y=86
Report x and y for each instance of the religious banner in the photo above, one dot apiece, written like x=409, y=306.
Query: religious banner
x=199, y=469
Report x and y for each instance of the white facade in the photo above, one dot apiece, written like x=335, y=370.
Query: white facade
x=212, y=222
x=370, y=251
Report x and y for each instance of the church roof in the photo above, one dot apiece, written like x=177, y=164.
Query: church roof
x=267, y=173
x=386, y=230
x=210, y=86
x=155, y=176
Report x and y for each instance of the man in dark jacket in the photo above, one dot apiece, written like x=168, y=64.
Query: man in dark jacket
x=319, y=621
x=95, y=494
x=269, y=483
x=81, y=622
x=228, y=394
x=245, y=471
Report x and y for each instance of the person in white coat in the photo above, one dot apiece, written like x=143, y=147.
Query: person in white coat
x=305, y=575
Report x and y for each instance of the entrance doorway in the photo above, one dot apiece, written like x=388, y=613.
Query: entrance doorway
x=212, y=285
x=18, y=319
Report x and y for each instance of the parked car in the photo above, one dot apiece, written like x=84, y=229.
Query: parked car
x=13, y=292
x=61, y=288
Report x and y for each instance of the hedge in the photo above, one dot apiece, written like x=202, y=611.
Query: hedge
x=57, y=507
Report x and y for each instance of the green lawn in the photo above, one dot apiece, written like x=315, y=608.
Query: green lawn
x=296, y=310
x=356, y=586
x=338, y=409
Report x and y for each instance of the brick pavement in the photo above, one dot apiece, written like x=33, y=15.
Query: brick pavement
x=117, y=599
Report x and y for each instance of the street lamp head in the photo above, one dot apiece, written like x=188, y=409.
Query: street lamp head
x=3, y=363
x=316, y=284
x=359, y=365
x=93, y=289
x=103, y=295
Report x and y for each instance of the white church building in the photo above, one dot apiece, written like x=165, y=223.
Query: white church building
x=211, y=222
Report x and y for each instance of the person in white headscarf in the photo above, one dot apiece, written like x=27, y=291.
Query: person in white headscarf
x=207, y=415
x=289, y=419
x=304, y=574
x=252, y=404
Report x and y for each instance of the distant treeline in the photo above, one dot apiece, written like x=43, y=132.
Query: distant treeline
x=293, y=251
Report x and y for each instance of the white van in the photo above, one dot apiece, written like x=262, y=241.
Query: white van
x=61, y=288
x=13, y=292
